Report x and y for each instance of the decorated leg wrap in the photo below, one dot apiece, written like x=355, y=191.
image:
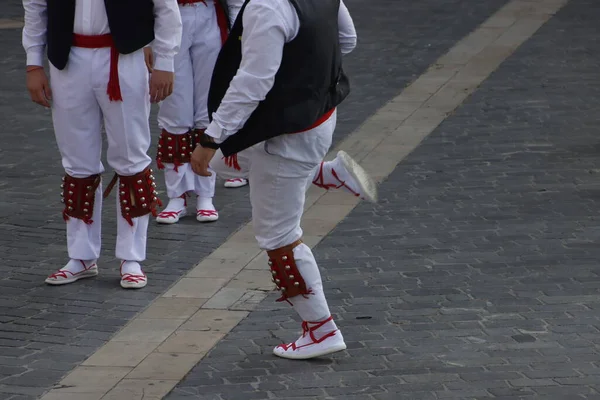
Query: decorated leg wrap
x=285, y=272
x=79, y=195
x=174, y=149
x=137, y=195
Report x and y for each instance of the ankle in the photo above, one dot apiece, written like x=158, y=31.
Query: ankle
x=322, y=327
x=76, y=265
x=176, y=204
x=131, y=267
x=204, y=203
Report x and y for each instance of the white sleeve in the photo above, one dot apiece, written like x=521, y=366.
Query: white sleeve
x=34, y=31
x=167, y=34
x=347, y=32
x=265, y=33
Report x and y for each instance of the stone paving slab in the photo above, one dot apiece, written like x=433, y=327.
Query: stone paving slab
x=45, y=331
x=476, y=275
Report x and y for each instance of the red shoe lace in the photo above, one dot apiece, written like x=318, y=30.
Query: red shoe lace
x=320, y=182
x=169, y=214
x=306, y=329
x=173, y=214
x=62, y=273
x=207, y=213
x=133, y=278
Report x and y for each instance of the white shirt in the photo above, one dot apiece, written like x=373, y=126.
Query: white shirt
x=91, y=19
x=268, y=25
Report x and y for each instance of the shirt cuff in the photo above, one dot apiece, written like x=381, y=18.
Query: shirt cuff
x=162, y=63
x=35, y=57
x=215, y=131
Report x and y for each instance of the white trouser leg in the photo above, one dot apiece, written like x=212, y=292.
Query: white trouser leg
x=77, y=123
x=83, y=240
x=204, y=186
x=176, y=112
x=131, y=240
x=178, y=182
x=277, y=195
x=206, y=44
x=128, y=135
x=280, y=174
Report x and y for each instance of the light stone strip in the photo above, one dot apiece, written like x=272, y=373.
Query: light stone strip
x=6, y=23
x=160, y=346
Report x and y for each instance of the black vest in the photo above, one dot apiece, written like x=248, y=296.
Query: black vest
x=310, y=80
x=131, y=24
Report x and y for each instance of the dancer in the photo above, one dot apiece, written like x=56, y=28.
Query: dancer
x=183, y=116
x=99, y=78
x=273, y=99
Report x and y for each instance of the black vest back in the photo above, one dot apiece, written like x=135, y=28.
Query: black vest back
x=310, y=80
x=131, y=24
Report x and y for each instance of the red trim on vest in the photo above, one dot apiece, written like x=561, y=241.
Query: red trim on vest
x=97, y=42
x=321, y=120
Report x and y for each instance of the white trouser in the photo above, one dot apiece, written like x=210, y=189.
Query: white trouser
x=80, y=108
x=187, y=108
x=280, y=171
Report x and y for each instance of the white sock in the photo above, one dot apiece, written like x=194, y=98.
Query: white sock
x=176, y=204
x=75, y=266
x=318, y=333
x=131, y=267
x=204, y=203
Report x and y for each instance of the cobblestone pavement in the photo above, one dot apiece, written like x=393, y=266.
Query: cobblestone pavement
x=46, y=331
x=477, y=274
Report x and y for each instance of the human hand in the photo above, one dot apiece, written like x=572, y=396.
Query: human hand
x=38, y=85
x=161, y=85
x=200, y=160
x=149, y=58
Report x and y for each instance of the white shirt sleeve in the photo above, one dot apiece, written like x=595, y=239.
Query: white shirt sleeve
x=346, y=28
x=266, y=30
x=34, y=31
x=167, y=34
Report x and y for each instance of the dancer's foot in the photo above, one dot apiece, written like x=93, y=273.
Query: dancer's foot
x=345, y=173
x=73, y=271
x=318, y=339
x=205, y=210
x=235, y=183
x=132, y=276
x=173, y=212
